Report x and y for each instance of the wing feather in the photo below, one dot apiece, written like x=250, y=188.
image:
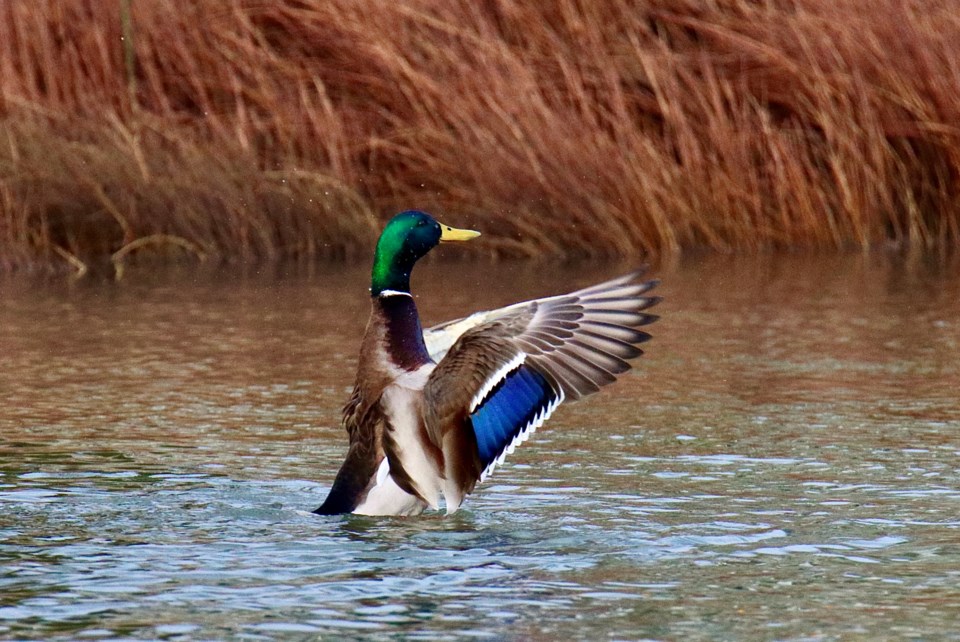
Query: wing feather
x=502, y=372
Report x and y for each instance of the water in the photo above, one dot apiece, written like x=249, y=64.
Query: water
x=782, y=465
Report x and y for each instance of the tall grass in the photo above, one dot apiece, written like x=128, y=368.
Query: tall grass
x=248, y=129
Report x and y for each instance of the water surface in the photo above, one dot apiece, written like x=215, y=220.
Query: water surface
x=783, y=464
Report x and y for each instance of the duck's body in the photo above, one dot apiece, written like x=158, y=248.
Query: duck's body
x=434, y=412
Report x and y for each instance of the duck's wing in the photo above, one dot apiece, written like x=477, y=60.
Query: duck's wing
x=506, y=371
x=440, y=338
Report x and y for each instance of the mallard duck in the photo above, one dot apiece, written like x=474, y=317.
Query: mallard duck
x=435, y=412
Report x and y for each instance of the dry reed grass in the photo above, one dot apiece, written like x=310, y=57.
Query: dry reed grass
x=256, y=129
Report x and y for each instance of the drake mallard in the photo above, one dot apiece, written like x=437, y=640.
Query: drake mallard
x=436, y=411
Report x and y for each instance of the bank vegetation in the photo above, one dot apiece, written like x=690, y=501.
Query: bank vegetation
x=254, y=129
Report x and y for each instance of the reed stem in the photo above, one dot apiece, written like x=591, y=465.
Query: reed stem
x=129, y=51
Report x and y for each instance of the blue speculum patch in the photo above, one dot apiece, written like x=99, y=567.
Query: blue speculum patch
x=511, y=405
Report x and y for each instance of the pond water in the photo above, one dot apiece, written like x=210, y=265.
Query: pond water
x=782, y=464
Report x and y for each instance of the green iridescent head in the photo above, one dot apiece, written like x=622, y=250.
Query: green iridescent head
x=406, y=238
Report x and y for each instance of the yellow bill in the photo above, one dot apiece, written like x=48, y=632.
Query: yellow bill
x=448, y=233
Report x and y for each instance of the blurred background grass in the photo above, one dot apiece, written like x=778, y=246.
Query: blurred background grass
x=252, y=129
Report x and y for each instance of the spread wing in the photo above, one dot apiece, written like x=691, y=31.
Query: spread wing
x=505, y=371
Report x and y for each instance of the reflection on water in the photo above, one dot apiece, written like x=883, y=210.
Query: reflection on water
x=783, y=464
